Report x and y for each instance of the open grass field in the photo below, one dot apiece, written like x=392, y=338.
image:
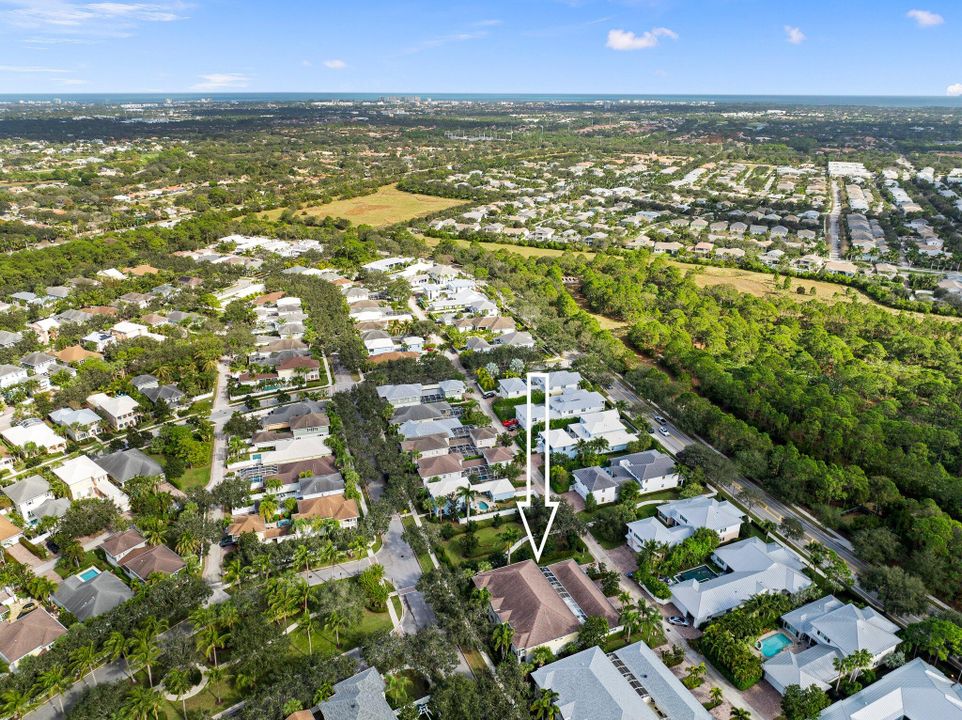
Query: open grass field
x=385, y=207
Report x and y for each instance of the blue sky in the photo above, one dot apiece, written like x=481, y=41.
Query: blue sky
x=553, y=46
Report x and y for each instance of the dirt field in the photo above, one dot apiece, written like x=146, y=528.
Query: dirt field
x=385, y=207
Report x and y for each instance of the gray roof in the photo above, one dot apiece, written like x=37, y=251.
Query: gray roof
x=360, y=697
x=428, y=411
x=167, y=393
x=144, y=381
x=126, y=464
x=597, y=478
x=590, y=686
x=89, y=599
x=916, y=691
x=645, y=465
x=321, y=484
x=286, y=413
x=56, y=507
x=671, y=697
x=26, y=489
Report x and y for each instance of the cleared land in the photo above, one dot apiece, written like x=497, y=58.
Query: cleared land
x=385, y=207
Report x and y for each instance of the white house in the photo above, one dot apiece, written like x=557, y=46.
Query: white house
x=605, y=425
x=651, y=469
x=80, y=424
x=84, y=478
x=11, y=375
x=33, y=430
x=121, y=411
x=750, y=567
x=677, y=520
x=28, y=494
x=832, y=630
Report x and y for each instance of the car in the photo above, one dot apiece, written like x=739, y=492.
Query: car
x=651, y=429
x=678, y=620
x=510, y=423
x=226, y=541
x=660, y=419
x=664, y=431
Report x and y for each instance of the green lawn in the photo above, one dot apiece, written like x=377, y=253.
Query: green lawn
x=195, y=477
x=323, y=641
x=205, y=702
x=488, y=541
x=617, y=641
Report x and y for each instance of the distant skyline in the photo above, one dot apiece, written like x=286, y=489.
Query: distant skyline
x=857, y=47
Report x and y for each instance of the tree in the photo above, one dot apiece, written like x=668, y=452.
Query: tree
x=740, y=714
x=335, y=622
x=53, y=681
x=807, y=704
x=542, y=656
x=936, y=637
x=591, y=502
x=13, y=702
x=116, y=647
x=309, y=625
x=142, y=704
x=630, y=620
x=396, y=687
x=84, y=659
x=594, y=631
x=792, y=528
x=466, y=495
x=545, y=706
x=145, y=652
x=900, y=592
x=501, y=636
x=178, y=683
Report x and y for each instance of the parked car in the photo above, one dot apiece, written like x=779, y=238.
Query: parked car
x=510, y=423
x=678, y=620
x=226, y=541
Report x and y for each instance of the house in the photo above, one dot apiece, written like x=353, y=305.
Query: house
x=99, y=340
x=170, y=395
x=334, y=507
x=483, y=437
x=443, y=474
x=750, y=567
x=282, y=417
x=30, y=634
x=915, y=690
x=315, y=486
x=841, y=267
x=360, y=697
x=651, y=469
x=631, y=683
x=677, y=520
x=121, y=544
x=85, y=599
x=514, y=339
x=313, y=423
x=833, y=631
x=606, y=426
x=9, y=339
x=84, y=478
x=40, y=363
x=11, y=375
x=79, y=425
x=427, y=446
x=120, y=412
x=141, y=563
x=545, y=606
x=569, y=404
x=512, y=388
x=243, y=288
x=28, y=494
x=33, y=432
x=10, y=534
x=76, y=354
x=597, y=482
x=559, y=381
x=124, y=465
x=400, y=395
x=251, y=523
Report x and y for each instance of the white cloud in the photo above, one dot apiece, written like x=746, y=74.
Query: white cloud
x=488, y=23
x=954, y=90
x=445, y=40
x=794, y=35
x=72, y=81
x=307, y=63
x=335, y=64
x=627, y=40
x=96, y=19
x=925, y=18
x=30, y=69
x=221, y=81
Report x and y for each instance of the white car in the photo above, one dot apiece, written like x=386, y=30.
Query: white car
x=664, y=431
x=678, y=620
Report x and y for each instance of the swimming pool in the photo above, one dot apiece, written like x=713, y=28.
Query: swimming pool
x=483, y=506
x=773, y=644
x=88, y=574
x=700, y=573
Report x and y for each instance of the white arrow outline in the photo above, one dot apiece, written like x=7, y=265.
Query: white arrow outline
x=553, y=504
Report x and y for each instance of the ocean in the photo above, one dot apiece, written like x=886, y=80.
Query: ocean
x=885, y=101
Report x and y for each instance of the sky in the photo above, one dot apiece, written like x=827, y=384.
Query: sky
x=788, y=47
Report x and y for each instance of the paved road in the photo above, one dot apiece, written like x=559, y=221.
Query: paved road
x=834, y=234
x=220, y=414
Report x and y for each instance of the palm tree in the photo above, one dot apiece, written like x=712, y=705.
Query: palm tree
x=302, y=558
x=233, y=570
x=145, y=652
x=83, y=659
x=359, y=545
x=509, y=536
x=188, y=544
x=142, y=704
x=267, y=509
x=178, y=683
x=466, y=495
x=214, y=676
x=227, y=615
x=630, y=620
x=116, y=647
x=13, y=703
x=308, y=623
x=650, y=622
x=502, y=636
x=396, y=687
x=542, y=656
x=53, y=682
x=716, y=695
x=544, y=707
x=209, y=639
x=154, y=531
x=740, y=714
x=482, y=596
x=335, y=622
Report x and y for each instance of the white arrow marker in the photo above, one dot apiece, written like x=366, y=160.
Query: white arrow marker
x=536, y=547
